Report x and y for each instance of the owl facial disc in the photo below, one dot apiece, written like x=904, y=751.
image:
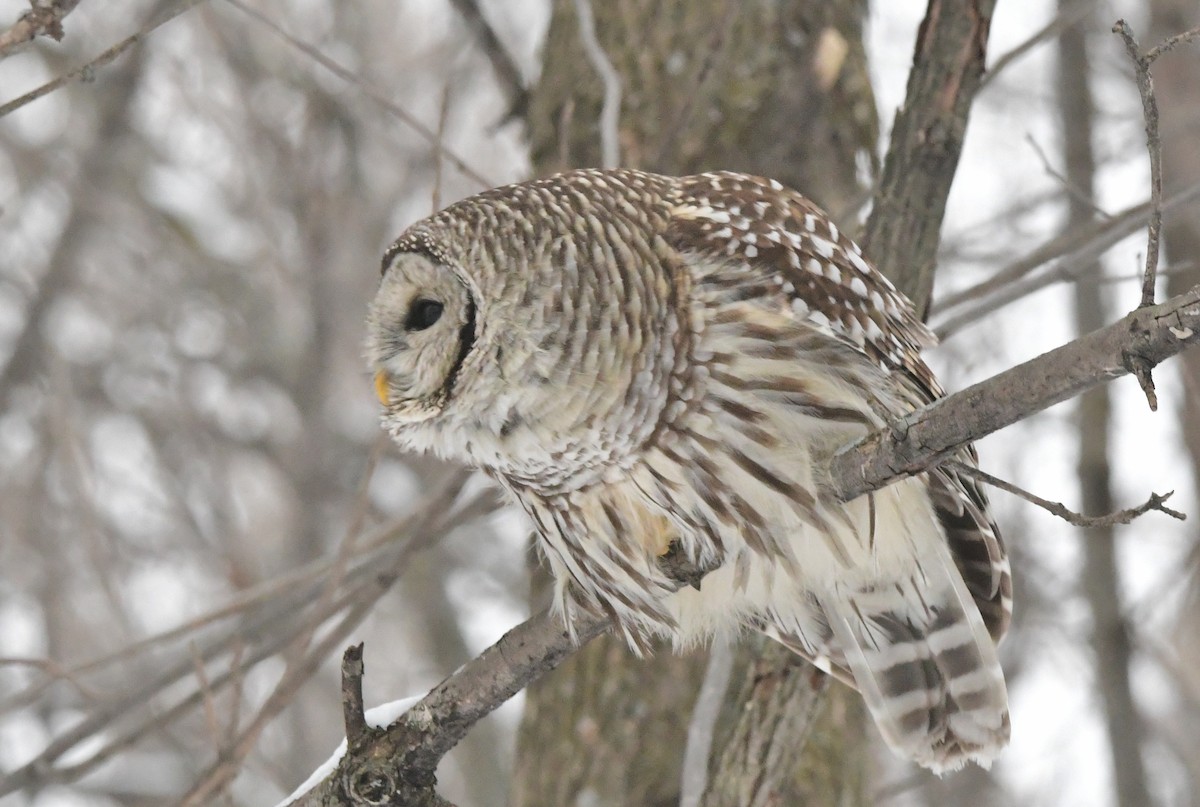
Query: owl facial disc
x=421, y=327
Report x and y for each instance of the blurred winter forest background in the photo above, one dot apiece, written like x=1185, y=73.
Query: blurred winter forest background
x=198, y=512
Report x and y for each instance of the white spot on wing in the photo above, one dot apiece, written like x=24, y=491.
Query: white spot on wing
x=823, y=247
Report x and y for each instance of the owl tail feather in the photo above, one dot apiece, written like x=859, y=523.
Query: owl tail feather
x=926, y=665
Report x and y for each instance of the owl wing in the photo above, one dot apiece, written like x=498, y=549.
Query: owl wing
x=776, y=245
x=920, y=649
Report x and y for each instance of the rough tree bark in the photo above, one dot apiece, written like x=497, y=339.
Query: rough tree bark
x=1100, y=579
x=904, y=230
x=777, y=89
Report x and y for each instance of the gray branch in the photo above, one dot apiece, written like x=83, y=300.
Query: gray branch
x=1148, y=335
x=41, y=20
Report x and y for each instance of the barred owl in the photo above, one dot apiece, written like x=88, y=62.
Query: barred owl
x=645, y=362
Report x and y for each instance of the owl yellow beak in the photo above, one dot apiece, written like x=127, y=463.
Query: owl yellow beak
x=381, y=388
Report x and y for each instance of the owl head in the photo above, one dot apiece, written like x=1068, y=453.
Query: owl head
x=420, y=330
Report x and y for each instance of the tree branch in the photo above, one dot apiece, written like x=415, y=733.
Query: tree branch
x=353, y=713
x=85, y=72
x=402, y=759
x=1072, y=253
x=406, y=754
x=1157, y=501
x=1145, y=84
x=928, y=435
x=503, y=65
x=368, y=89
x=41, y=20
x=1065, y=18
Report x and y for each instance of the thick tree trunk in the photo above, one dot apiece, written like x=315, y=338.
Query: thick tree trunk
x=777, y=89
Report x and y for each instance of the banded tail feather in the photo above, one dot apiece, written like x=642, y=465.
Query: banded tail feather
x=926, y=664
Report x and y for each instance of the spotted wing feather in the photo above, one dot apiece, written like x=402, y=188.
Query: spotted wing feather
x=922, y=648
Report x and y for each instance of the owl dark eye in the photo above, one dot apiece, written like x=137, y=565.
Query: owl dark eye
x=422, y=314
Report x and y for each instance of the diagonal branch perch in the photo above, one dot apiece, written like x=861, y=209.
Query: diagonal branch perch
x=928, y=435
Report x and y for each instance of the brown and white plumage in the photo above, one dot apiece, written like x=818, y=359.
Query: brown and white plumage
x=645, y=360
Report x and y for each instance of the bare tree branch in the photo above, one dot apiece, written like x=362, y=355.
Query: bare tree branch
x=269, y=629
x=1169, y=43
x=505, y=68
x=41, y=20
x=87, y=71
x=1064, y=19
x=399, y=762
x=1157, y=501
x=368, y=89
x=353, y=712
x=928, y=435
x=1072, y=252
x=1145, y=84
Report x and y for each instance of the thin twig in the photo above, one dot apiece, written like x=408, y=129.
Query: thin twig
x=287, y=593
x=610, y=113
x=1169, y=43
x=368, y=89
x=1145, y=84
x=1074, y=191
x=1155, y=502
x=1064, y=19
x=88, y=71
x=273, y=627
x=297, y=673
x=301, y=656
x=360, y=600
x=295, y=583
x=1095, y=235
x=439, y=148
x=503, y=64
x=1074, y=250
x=41, y=20
x=1071, y=270
x=209, y=704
